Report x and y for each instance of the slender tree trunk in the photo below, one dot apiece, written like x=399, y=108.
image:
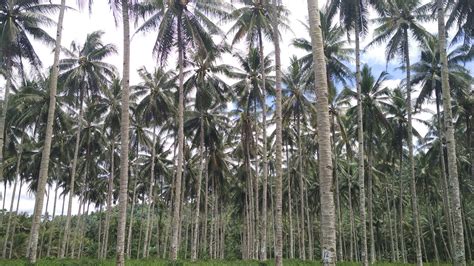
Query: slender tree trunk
x=46, y=221
x=110, y=192
x=43, y=173
x=459, y=249
x=328, y=216
x=150, y=193
x=290, y=206
x=370, y=197
x=444, y=180
x=392, y=247
x=99, y=237
x=48, y=252
x=340, y=256
x=15, y=220
x=310, y=228
x=194, y=248
x=411, y=160
x=351, y=216
x=402, y=233
x=263, y=218
x=205, y=218
x=179, y=168
x=132, y=218
x=124, y=146
x=360, y=136
x=301, y=192
x=433, y=234
x=3, y=117
x=10, y=213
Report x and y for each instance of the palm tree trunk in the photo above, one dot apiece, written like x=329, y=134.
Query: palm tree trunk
x=179, y=168
x=150, y=193
x=3, y=117
x=206, y=202
x=73, y=177
x=402, y=233
x=263, y=223
x=444, y=180
x=124, y=146
x=48, y=252
x=360, y=136
x=433, y=234
x=351, y=215
x=105, y=242
x=411, y=160
x=301, y=184
x=132, y=218
x=290, y=207
x=43, y=173
x=194, y=251
x=310, y=228
x=10, y=213
x=370, y=197
x=15, y=220
x=459, y=254
x=99, y=236
x=340, y=256
x=392, y=247
x=328, y=215
x=46, y=221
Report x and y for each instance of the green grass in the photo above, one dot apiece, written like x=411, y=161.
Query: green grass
x=156, y=262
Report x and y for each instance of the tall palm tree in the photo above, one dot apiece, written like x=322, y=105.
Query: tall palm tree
x=20, y=22
x=427, y=73
x=83, y=74
x=459, y=254
x=254, y=21
x=373, y=96
x=154, y=108
x=328, y=212
x=402, y=19
x=28, y=9
x=354, y=18
x=278, y=145
x=187, y=28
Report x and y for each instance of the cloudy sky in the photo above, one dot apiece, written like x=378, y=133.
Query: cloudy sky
x=77, y=24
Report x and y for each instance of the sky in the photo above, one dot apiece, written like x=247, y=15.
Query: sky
x=77, y=24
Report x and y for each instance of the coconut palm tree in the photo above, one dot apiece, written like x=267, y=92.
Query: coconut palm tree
x=373, y=96
x=459, y=254
x=154, y=108
x=278, y=146
x=328, y=212
x=254, y=22
x=400, y=24
x=186, y=28
x=21, y=22
x=83, y=75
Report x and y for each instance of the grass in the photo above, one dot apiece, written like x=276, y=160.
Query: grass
x=156, y=262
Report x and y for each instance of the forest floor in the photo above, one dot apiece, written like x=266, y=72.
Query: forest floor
x=154, y=262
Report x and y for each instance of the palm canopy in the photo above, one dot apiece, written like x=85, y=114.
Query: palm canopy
x=427, y=71
x=182, y=23
x=20, y=21
x=85, y=70
x=462, y=15
x=157, y=88
x=337, y=54
x=205, y=76
x=254, y=21
x=374, y=101
x=401, y=18
x=248, y=87
x=296, y=102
